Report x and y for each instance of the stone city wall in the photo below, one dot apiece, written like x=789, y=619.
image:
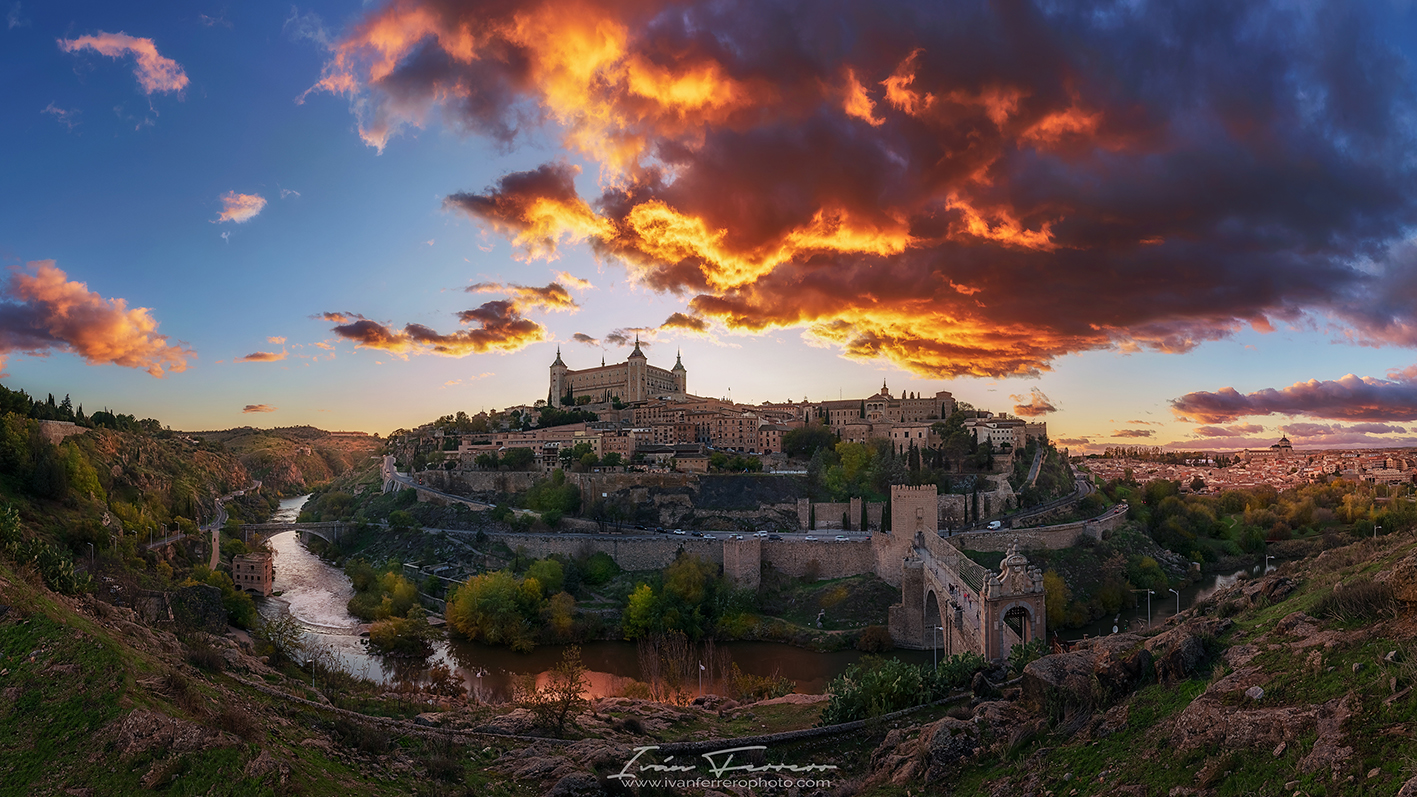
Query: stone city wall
x=631, y=553
x=834, y=559
x=56, y=431
x=1063, y=535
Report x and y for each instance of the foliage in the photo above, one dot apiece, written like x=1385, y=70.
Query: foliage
x=737, y=463
x=51, y=562
x=497, y=608
x=280, y=638
x=1055, y=598
x=561, y=697
x=599, y=568
x=803, y=442
x=379, y=595
x=747, y=687
x=411, y=635
x=1024, y=653
x=875, y=639
x=553, y=494
x=240, y=609
x=549, y=574
x=1361, y=600
x=876, y=686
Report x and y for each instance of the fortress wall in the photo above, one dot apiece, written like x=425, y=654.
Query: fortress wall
x=834, y=559
x=631, y=553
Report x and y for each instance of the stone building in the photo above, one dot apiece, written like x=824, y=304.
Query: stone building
x=630, y=381
x=254, y=572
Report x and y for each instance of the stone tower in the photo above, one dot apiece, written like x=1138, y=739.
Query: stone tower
x=638, y=377
x=558, y=380
x=681, y=376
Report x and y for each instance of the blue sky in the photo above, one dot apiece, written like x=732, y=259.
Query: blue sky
x=990, y=282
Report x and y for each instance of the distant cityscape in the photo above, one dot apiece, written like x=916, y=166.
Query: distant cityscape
x=1279, y=466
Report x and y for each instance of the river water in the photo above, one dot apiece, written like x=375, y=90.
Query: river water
x=315, y=594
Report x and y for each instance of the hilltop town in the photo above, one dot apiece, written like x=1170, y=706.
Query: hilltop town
x=635, y=415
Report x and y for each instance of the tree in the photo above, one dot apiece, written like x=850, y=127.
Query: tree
x=640, y=617
x=563, y=695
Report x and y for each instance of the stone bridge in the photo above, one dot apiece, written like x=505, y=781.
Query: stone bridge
x=948, y=601
x=329, y=531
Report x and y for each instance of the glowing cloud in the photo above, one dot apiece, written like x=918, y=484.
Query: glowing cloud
x=240, y=208
x=500, y=327
x=685, y=322
x=44, y=310
x=1008, y=183
x=155, y=73
x=1134, y=433
x=551, y=297
x=259, y=408
x=1033, y=404
x=261, y=357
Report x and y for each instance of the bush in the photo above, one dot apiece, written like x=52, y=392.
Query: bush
x=875, y=639
x=1360, y=600
x=879, y=686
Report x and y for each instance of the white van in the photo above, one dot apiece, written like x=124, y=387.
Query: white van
x=995, y=525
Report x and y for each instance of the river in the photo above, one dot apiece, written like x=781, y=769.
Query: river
x=315, y=594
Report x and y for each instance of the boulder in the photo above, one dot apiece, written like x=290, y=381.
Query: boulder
x=1180, y=651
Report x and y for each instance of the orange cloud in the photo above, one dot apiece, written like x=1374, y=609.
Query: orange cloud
x=1349, y=398
x=1016, y=193
x=276, y=340
x=500, y=327
x=240, y=208
x=1033, y=404
x=155, y=73
x=261, y=357
x=45, y=310
x=550, y=297
x=258, y=408
x=687, y=322
x=573, y=281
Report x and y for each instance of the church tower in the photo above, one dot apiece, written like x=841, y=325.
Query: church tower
x=558, y=380
x=638, y=377
x=681, y=376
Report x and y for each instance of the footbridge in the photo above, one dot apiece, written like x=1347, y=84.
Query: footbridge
x=948, y=601
x=328, y=531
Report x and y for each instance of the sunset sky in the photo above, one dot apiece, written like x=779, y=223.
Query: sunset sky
x=1146, y=223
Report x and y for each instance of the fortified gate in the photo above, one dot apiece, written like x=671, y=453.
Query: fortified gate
x=948, y=601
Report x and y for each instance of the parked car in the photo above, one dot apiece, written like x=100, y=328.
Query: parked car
x=842, y=538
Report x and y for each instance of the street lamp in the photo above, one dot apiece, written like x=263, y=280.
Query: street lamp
x=935, y=638
x=1149, y=593
x=91, y=557
x=1267, y=557
x=1178, y=601
x=1376, y=529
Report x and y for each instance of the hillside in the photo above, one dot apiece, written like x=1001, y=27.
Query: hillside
x=293, y=460
x=1298, y=682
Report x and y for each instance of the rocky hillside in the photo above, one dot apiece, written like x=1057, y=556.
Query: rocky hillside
x=293, y=460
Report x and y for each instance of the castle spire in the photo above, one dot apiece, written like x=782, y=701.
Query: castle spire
x=558, y=357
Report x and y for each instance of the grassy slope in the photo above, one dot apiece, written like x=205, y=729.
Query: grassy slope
x=1141, y=753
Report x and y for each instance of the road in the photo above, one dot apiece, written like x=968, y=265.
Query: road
x=408, y=481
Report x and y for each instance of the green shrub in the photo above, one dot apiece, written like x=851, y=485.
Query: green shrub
x=879, y=686
x=1359, y=600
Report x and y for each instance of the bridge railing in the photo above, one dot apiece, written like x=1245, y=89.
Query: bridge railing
x=971, y=572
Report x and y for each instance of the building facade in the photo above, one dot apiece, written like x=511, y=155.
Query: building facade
x=630, y=381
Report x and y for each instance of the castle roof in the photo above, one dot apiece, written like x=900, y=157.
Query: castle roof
x=637, y=352
x=558, y=357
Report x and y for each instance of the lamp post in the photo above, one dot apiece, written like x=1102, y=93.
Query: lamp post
x=1149, y=593
x=1376, y=529
x=1267, y=557
x=1178, y=601
x=936, y=639
x=91, y=557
